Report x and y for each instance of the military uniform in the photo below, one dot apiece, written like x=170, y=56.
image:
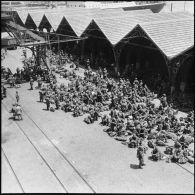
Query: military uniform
x=4, y=91
x=31, y=83
x=140, y=155
x=17, y=97
x=47, y=102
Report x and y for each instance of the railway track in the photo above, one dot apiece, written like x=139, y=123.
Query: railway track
x=48, y=139
x=19, y=183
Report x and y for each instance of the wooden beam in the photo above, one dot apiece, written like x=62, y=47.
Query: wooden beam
x=20, y=28
x=46, y=42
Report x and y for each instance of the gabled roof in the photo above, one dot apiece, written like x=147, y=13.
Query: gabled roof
x=116, y=28
x=37, y=17
x=23, y=16
x=171, y=32
x=173, y=36
x=65, y=28
x=112, y=26
x=29, y=23
x=78, y=23
x=44, y=24
x=54, y=19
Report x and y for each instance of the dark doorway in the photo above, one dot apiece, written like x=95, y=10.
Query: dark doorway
x=141, y=57
x=186, y=75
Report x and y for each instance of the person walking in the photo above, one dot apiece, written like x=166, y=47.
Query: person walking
x=31, y=83
x=41, y=95
x=47, y=103
x=4, y=91
x=17, y=97
x=140, y=154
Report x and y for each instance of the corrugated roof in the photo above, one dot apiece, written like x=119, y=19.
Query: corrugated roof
x=29, y=23
x=65, y=28
x=115, y=28
x=173, y=36
x=78, y=23
x=78, y=19
x=165, y=29
x=37, y=17
x=54, y=19
x=23, y=16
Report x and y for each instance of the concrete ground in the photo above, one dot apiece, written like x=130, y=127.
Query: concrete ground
x=55, y=152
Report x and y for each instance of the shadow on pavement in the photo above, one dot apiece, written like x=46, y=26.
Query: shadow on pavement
x=150, y=158
x=133, y=166
x=11, y=118
x=45, y=109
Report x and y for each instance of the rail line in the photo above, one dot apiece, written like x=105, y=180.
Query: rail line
x=65, y=158
x=12, y=170
x=38, y=152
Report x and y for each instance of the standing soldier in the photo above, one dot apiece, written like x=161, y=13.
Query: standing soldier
x=57, y=102
x=17, y=97
x=31, y=83
x=47, y=103
x=39, y=81
x=105, y=73
x=140, y=154
x=41, y=95
x=88, y=64
x=1, y=91
x=12, y=81
x=24, y=53
x=4, y=91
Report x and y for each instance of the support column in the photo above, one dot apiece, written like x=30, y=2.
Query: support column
x=126, y=67
x=117, y=51
x=38, y=55
x=173, y=69
x=116, y=56
x=138, y=59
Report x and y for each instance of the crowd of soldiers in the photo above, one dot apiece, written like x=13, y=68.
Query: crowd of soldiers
x=133, y=117
x=125, y=107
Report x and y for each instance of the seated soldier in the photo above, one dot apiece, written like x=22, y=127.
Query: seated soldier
x=133, y=141
x=52, y=103
x=184, y=141
x=13, y=108
x=105, y=120
x=155, y=154
x=113, y=123
x=177, y=144
x=151, y=144
x=89, y=119
x=142, y=132
x=96, y=114
x=169, y=150
x=176, y=155
x=121, y=128
x=76, y=111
